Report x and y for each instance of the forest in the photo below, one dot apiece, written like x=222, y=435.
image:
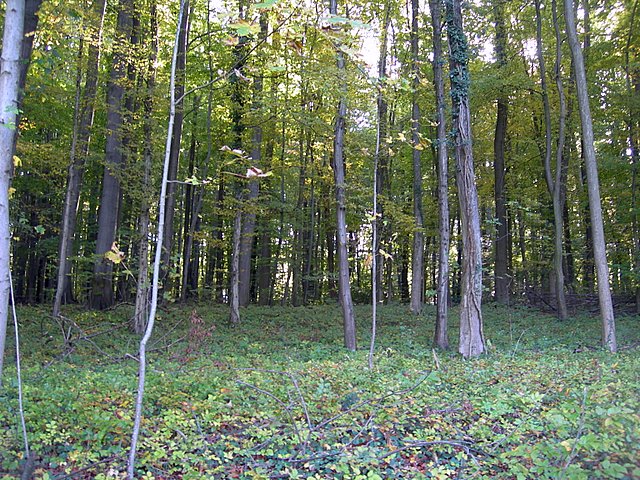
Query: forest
x=279, y=239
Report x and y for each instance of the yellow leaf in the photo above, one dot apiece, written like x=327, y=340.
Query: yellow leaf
x=401, y=137
x=16, y=161
x=567, y=445
x=11, y=191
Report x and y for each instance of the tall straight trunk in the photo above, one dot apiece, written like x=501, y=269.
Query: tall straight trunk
x=249, y=217
x=176, y=138
x=501, y=270
x=344, y=286
x=417, y=257
x=79, y=153
x=441, y=337
x=108, y=216
x=9, y=95
x=593, y=186
x=382, y=173
x=632, y=83
x=142, y=290
x=471, y=328
x=234, y=294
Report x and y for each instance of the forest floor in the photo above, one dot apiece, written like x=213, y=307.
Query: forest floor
x=279, y=397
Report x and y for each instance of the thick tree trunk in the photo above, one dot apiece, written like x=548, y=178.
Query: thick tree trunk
x=108, y=216
x=79, y=154
x=441, y=337
x=417, y=258
x=600, y=254
x=344, y=285
x=471, y=328
x=9, y=95
x=501, y=272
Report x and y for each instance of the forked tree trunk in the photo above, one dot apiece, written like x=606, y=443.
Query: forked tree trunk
x=471, y=328
x=79, y=153
x=593, y=186
x=344, y=285
x=553, y=181
x=417, y=258
x=441, y=337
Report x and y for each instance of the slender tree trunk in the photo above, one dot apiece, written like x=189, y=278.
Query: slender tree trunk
x=108, y=216
x=382, y=173
x=502, y=275
x=417, y=258
x=441, y=337
x=344, y=285
x=142, y=290
x=471, y=328
x=600, y=254
x=234, y=299
x=9, y=95
x=249, y=218
x=79, y=154
x=176, y=138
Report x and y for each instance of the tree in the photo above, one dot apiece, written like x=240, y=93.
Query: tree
x=501, y=273
x=593, y=187
x=441, y=337
x=337, y=164
x=10, y=60
x=417, y=263
x=83, y=123
x=471, y=328
x=111, y=196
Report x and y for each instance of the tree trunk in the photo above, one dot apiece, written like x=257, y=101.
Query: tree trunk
x=441, y=337
x=10, y=61
x=108, y=216
x=234, y=300
x=501, y=272
x=142, y=289
x=79, y=154
x=471, y=328
x=417, y=258
x=593, y=187
x=344, y=285
x=176, y=138
x=553, y=181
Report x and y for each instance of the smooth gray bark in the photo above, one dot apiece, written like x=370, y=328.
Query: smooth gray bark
x=9, y=95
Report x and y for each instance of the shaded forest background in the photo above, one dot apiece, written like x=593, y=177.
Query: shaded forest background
x=258, y=88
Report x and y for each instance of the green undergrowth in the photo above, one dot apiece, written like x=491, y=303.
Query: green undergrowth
x=279, y=397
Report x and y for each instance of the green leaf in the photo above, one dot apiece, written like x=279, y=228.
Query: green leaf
x=244, y=29
x=265, y=4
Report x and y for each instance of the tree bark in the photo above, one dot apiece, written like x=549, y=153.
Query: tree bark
x=79, y=154
x=441, y=337
x=595, y=207
x=471, y=328
x=111, y=197
x=344, y=286
x=10, y=61
x=501, y=272
x=142, y=289
x=176, y=138
x=417, y=258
